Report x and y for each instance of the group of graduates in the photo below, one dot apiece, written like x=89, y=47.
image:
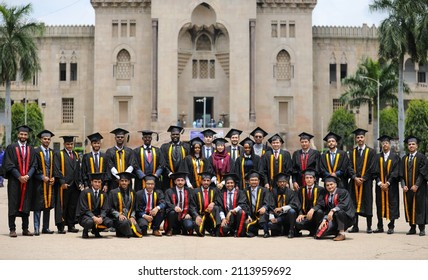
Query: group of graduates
x=207, y=187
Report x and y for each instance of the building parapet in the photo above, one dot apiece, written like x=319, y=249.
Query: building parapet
x=287, y=3
x=344, y=32
x=69, y=31
x=121, y=3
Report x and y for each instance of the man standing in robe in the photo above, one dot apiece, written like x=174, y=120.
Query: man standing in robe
x=304, y=158
x=19, y=166
x=259, y=147
x=362, y=160
x=276, y=161
x=387, y=190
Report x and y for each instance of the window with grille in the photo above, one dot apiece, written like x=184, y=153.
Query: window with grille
x=123, y=66
x=203, y=69
x=67, y=110
x=283, y=69
x=337, y=104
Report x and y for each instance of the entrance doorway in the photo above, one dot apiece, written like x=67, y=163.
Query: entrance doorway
x=198, y=104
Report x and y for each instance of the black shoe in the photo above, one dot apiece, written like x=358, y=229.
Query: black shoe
x=291, y=234
x=72, y=229
x=47, y=231
x=85, y=234
x=390, y=231
x=61, y=231
x=378, y=230
x=266, y=235
x=369, y=230
x=354, y=229
x=422, y=233
x=250, y=234
x=411, y=231
x=36, y=232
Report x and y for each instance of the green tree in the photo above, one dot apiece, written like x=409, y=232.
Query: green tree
x=342, y=123
x=417, y=122
x=403, y=32
x=35, y=120
x=389, y=122
x=18, y=51
x=370, y=78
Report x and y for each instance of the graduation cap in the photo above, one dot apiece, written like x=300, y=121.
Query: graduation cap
x=411, y=138
x=45, y=133
x=126, y=175
x=68, y=138
x=311, y=172
x=195, y=141
x=232, y=132
x=230, y=176
x=305, y=135
x=96, y=176
x=24, y=128
x=330, y=178
x=149, y=132
x=332, y=135
x=253, y=173
x=206, y=174
x=174, y=128
x=220, y=141
x=119, y=131
x=177, y=175
x=258, y=130
x=208, y=132
x=150, y=177
x=247, y=140
x=276, y=136
x=95, y=137
x=359, y=131
x=384, y=138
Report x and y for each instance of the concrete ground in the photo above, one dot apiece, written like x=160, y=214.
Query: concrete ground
x=357, y=246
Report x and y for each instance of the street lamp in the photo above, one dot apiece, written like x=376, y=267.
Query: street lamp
x=378, y=106
x=203, y=99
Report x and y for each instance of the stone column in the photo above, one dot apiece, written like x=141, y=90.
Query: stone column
x=252, y=70
x=154, y=70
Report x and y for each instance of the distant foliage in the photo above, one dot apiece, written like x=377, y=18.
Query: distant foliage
x=342, y=123
x=34, y=120
x=417, y=122
x=389, y=122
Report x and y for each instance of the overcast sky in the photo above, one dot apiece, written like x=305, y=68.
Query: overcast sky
x=80, y=12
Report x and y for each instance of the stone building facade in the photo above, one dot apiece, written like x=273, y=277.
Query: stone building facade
x=148, y=64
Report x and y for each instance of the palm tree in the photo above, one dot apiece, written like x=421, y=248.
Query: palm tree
x=18, y=51
x=403, y=32
x=370, y=78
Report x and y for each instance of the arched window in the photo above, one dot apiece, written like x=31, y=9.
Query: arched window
x=123, y=65
x=283, y=69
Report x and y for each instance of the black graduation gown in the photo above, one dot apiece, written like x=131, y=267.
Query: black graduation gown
x=263, y=199
x=306, y=203
x=342, y=200
x=237, y=222
x=14, y=165
x=283, y=197
x=118, y=206
x=89, y=206
x=341, y=167
x=239, y=151
x=415, y=174
x=119, y=162
x=171, y=200
x=388, y=202
x=158, y=200
x=189, y=165
x=243, y=166
x=197, y=208
x=88, y=167
x=310, y=161
x=272, y=166
x=363, y=166
x=172, y=165
x=144, y=167
x=44, y=194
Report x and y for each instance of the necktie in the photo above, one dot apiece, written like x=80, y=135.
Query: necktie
x=253, y=200
x=230, y=203
x=149, y=155
x=309, y=192
x=207, y=152
x=206, y=199
x=47, y=161
x=332, y=158
x=410, y=161
x=276, y=154
x=23, y=152
x=233, y=153
x=71, y=154
x=97, y=166
x=330, y=200
x=360, y=152
x=149, y=203
x=96, y=195
x=175, y=152
x=181, y=200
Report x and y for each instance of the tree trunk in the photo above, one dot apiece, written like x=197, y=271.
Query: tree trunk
x=400, y=106
x=8, y=114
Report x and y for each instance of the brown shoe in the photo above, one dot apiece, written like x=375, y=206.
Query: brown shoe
x=157, y=233
x=26, y=232
x=12, y=233
x=169, y=233
x=339, y=237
